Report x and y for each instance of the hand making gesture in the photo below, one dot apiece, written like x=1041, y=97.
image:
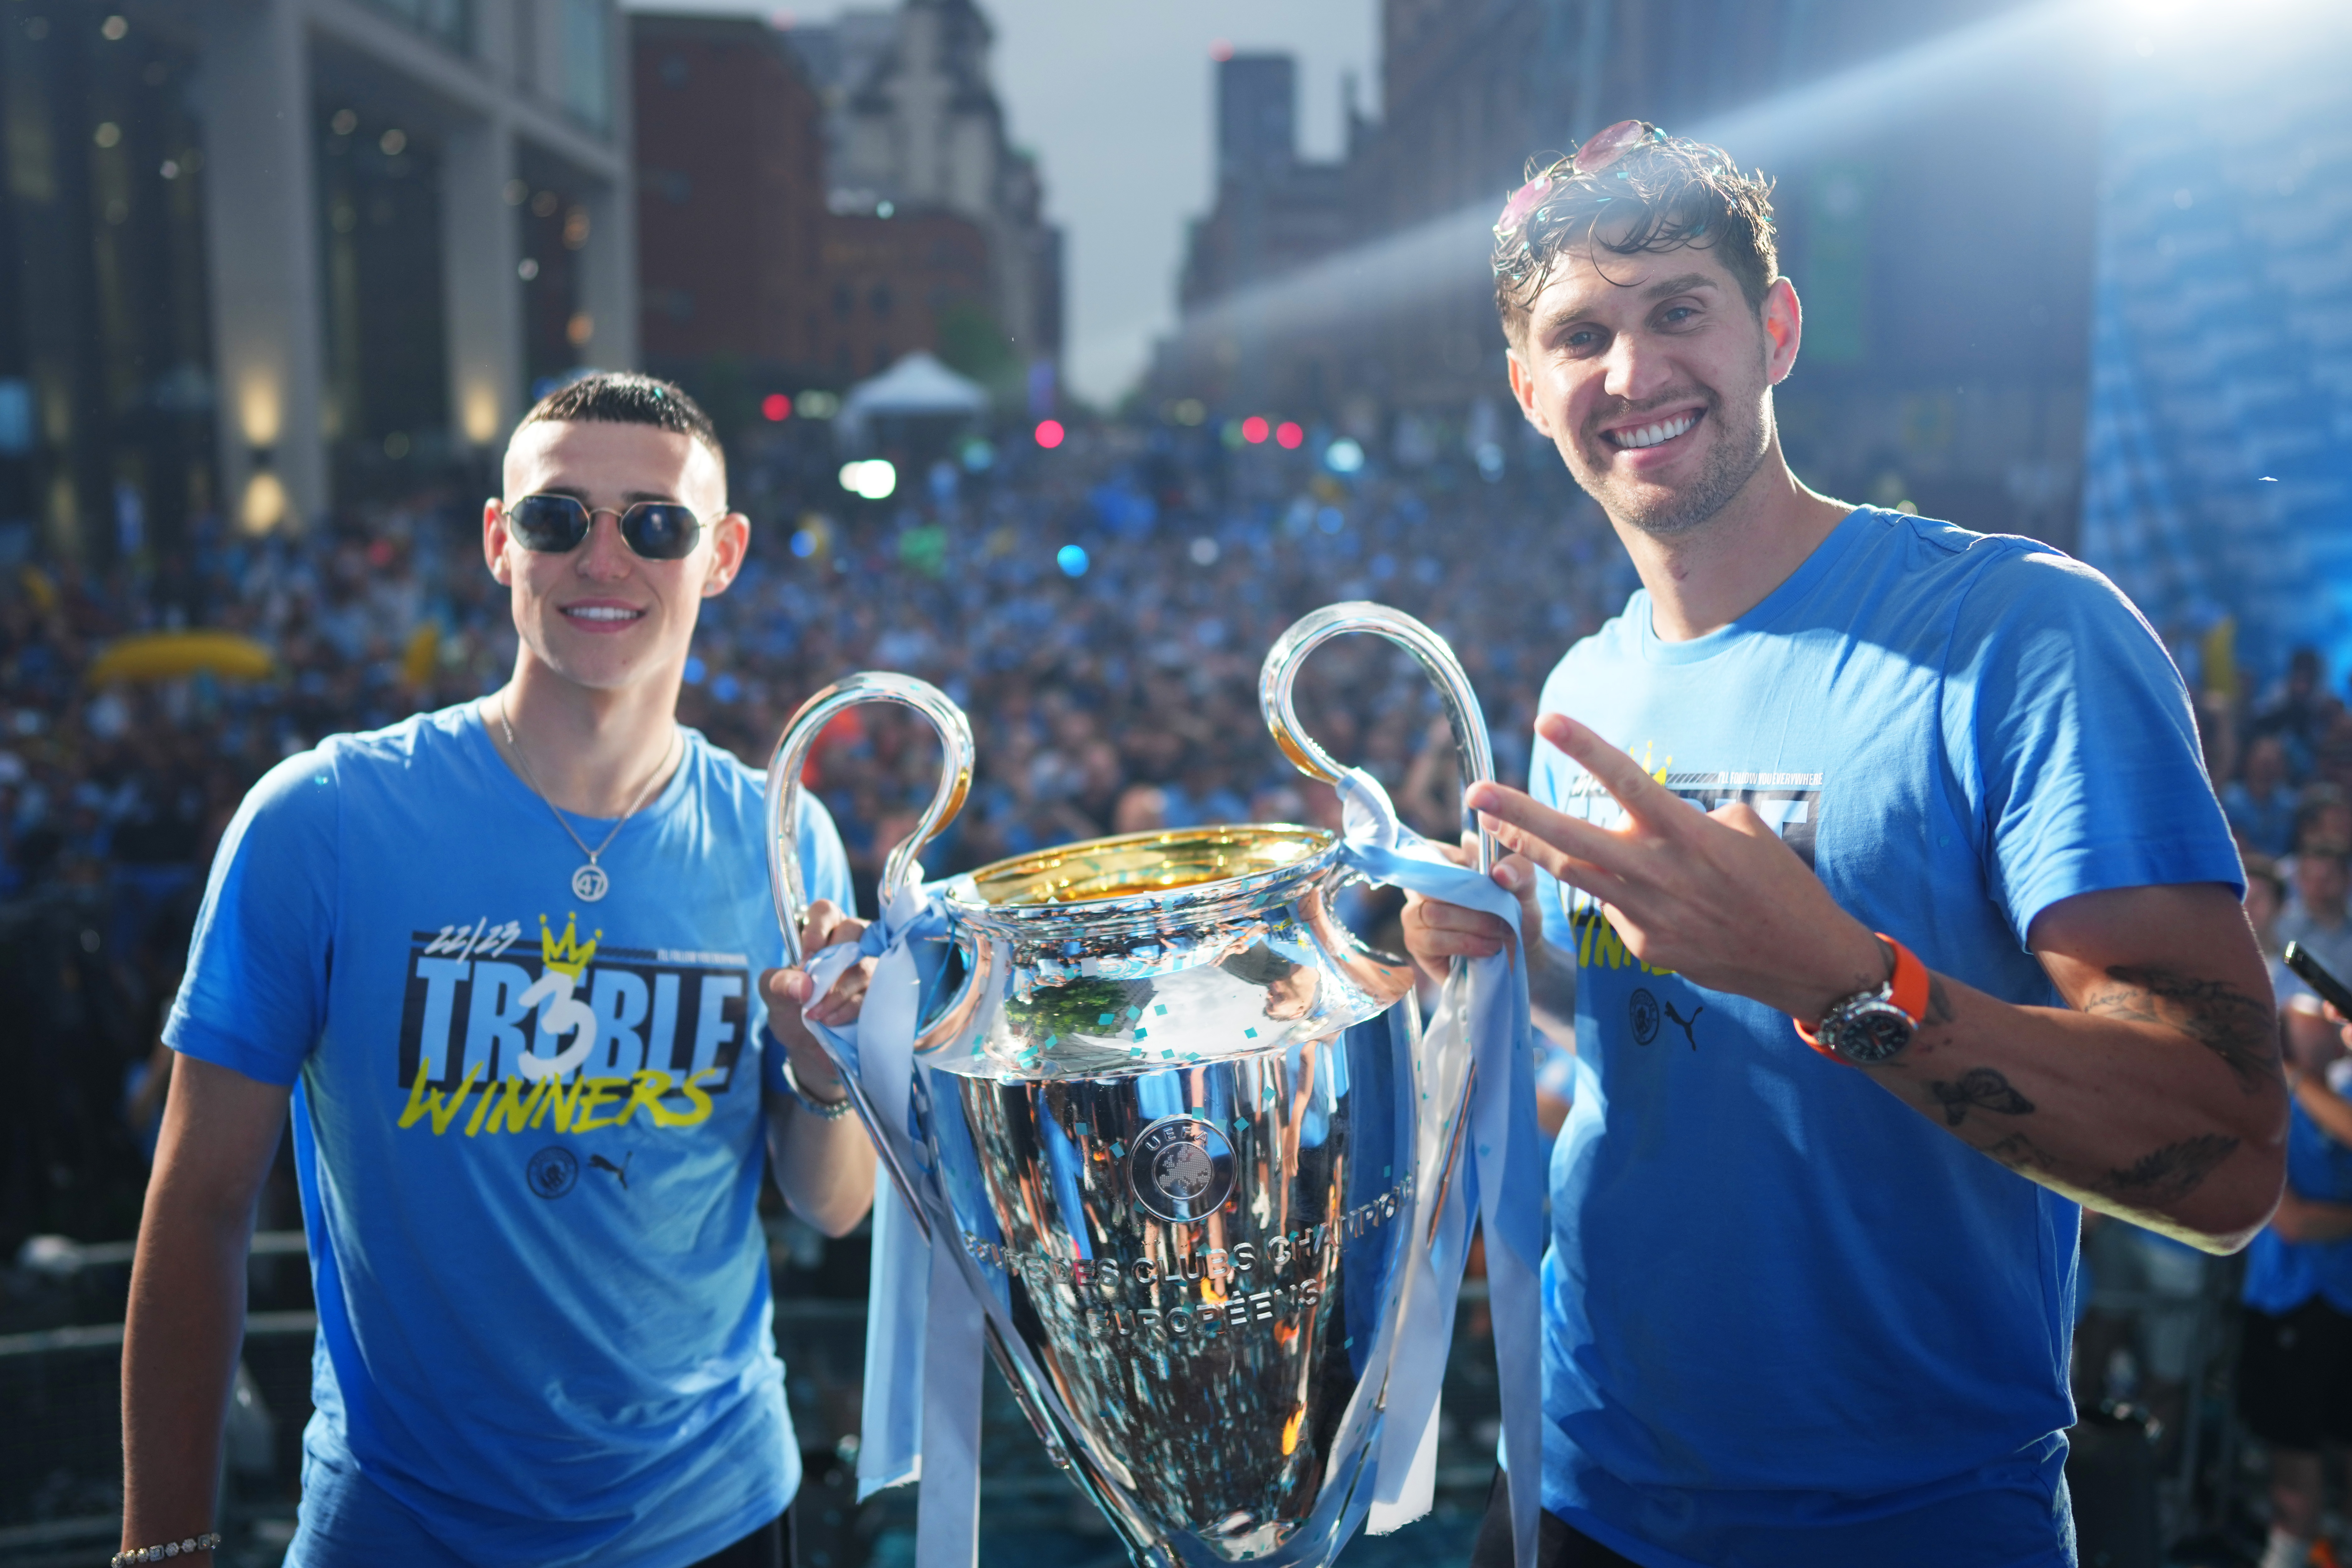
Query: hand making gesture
x=2158, y=1070
x=1715, y=896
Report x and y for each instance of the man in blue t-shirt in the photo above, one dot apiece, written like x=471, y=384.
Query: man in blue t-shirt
x=2294, y=1363
x=506, y=960
x=1813, y=1212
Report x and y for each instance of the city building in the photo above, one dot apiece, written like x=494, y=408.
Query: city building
x=265, y=255
x=1273, y=210
x=913, y=126
x=730, y=194
x=750, y=278
x=1936, y=167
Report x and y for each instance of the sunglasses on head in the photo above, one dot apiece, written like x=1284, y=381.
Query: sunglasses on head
x=1526, y=218
x=656, y=529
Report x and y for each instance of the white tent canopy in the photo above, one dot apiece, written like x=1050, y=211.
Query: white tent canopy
x=917, y=385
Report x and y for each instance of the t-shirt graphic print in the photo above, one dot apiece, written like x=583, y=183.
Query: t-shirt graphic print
x=565, y=1032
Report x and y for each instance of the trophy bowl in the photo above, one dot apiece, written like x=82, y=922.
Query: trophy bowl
x=1182, y=1152
x=1179, y=1118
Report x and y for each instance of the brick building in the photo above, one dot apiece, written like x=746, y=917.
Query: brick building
x=732, y=214
x=894, y=285
x=755, y=276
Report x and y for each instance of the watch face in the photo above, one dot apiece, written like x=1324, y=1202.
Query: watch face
x=1870, y=1031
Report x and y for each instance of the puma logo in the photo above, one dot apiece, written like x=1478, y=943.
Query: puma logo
x=598, y=1162
x=1685, y=1023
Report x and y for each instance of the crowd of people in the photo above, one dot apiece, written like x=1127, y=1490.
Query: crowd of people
x=1100, y=611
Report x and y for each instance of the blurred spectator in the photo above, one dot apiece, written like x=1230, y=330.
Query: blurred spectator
x=2323, y=818
x=2295, y=1388
x=1142, y=808
x=2318, y=920
x=2296, y=713
x=2260, y=805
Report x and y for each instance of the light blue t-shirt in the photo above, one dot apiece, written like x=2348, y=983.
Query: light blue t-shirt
x=2282, y=1275
x=544, y=1321
x=1791, y=1322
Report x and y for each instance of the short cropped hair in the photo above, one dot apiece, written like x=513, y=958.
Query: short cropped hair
x=625, y=398
x=1667, y=193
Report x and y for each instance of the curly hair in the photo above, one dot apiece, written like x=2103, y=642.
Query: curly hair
x=1665, y=194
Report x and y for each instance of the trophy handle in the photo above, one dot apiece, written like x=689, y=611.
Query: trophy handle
x=792, y=754
x=1461, y=710
x=784, y=767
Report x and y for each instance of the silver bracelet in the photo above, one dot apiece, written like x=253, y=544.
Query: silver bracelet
x=826, y=1110
x=194, y=1543
x=829, y=1109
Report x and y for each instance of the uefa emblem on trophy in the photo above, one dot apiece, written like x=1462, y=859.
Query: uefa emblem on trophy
x=1180, y=1130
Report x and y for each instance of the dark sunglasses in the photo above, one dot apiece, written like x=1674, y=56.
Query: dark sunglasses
x=656, y=529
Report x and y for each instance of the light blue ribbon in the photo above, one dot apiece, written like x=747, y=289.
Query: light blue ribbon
x=928, y=1302
x=1499, y=1171
x=925, y=1327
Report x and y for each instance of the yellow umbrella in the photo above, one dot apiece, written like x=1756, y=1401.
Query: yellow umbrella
x=167, y=655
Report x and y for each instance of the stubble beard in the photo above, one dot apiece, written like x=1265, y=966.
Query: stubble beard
x=1733, y=456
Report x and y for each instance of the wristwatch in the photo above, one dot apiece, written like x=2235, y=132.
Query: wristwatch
x=1869, y=1027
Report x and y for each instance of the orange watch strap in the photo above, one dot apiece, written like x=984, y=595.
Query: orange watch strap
x=1906, y=988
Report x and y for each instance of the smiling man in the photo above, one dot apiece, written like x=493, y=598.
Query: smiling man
x=503, y=958
x=1903, y=918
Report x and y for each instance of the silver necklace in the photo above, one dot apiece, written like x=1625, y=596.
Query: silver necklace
x=591, y=882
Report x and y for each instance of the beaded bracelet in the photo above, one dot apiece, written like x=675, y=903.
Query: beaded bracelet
x=194, y=1543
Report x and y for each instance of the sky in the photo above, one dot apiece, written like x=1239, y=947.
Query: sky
x=1116, y=98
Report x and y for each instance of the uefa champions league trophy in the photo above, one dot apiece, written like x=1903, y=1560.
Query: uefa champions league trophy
x=1182, y=1129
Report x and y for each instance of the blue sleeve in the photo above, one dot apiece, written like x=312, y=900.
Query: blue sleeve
x=2078, y=733
x=255, y=995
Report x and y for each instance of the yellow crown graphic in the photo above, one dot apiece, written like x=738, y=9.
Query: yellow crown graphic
x=562, y=955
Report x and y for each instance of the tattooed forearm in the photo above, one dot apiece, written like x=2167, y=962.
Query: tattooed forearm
x=2020, y=1152
x=2237, y=1027
x=1981, y=1089
x=1940, y=1006
x=2171, y=1173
